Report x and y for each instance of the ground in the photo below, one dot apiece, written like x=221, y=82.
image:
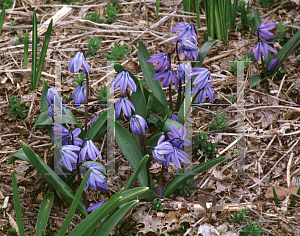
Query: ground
x=271, y=121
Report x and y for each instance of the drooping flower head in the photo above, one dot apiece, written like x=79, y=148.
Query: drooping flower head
x=125, y=105
x=123, y=80
x=178, y=137
x=162, y=59
x=182, y=69
x=202, y=79
x=263, y=29
x=54, y=100
x=79, y=94
x=162, y=149
x=272, y=64
x=60, y=132
x=69, y=157
x=175, y=157
x=77, y=62
x=174, y=117
x=185, y=31
x=89, y=151
x=96, y=179
x=95, y=206
x=261, y=49
x=168, y=76
x=137, y=123
x=189, y=48
x=207, y=90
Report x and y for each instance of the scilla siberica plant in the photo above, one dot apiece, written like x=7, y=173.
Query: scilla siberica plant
x=77, y=150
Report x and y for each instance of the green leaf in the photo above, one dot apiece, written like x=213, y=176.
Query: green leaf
x=204, y=51
x=275, y=196
x=97, y=125
x=130, y=150
x=52, y=178
x=19, y=154
x=136, y=172
x=2, y=17
x=156, y=8
x=149, y=72
x=25, y=61
x=256, y=18
x=170, y=122
x=139, y=101
x=44, y=103
x=132, y=194
x=189, y=173
x=34, y=50
x=74, y=204
x=44, y=213
x=153, y=141
x=149, y=195
x=17, y=205
x=255, y=80
x=115, y=218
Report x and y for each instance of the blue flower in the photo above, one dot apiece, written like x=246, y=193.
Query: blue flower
x=162, y=59
x=272, y=64
x=137, y=123
x=168, y=76
x=189, y=48
x=77, y=62
x=181, y=70
x=123, y=80
x=263, y=29
x=79, y=94
x=174, y=117
x=60, y=132
x=69, y=158
x=185, y=31
x=51, y=110
x=207, y=90
x=175, y=156
x=96, y=179
x=89, y=151
x=261, y=49
x=95, y=206
x=177, y=137
x=125, y=105
x=93, y=120
x=162, y=149
x=202, y=78
x=53, y=100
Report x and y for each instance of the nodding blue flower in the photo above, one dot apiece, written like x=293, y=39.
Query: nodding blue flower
x=168, y=76
x=261, y=49
x=69, y=157
x=162, y=149
x=79, y=94
x=178, y=137
x=77, y=62
x=54, y=100
x=272, y=64
x=263, y=29
x=175, y=156
x=189, y=48
x=174, y=117
x=89, y=151
x=137, y=123
x=162, y=59
x=95, y=206
x=60, y=132
x=51, y=111
x=202, y=78
x=93, y=120
x=96, y=179
x=207, y=90
x=185, y=31
x=181, y=69
x=125, y=105
x=123, y=80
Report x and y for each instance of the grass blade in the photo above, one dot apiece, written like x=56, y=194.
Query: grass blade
x=44, y=213
x=2, y=17
x=34, y=50
x=198, y=14
x=17, y=205
x=157, y=8
x=25, y=61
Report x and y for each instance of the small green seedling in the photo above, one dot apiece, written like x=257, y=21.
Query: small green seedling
x=252, y=229
x=218, y=123
x=79, y=80
x=94, y=46
x=199, y=142
x=157, y=205
x=102, y=95
x=111, y=13
x=118, y=52
x=16, y=108
x=95, y=18
x=239, y=217
x=114, y=2
x=247, y=60
x=281, y=35
x=209, y=150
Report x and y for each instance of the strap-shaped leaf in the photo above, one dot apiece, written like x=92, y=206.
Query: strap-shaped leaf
x=44, y=213
x=130, y=150
x=52, y=178
x=189, y=173
x=97, y=125
x=153, y=141
x=255, y=80
x=170, y=122
x=2, y=17
x=115, y=219
x=44, y=103
x=139, y=101
x=74, y=204
x=204, y=51
x=17, y=206
x=149, y=72
x=19, y=154
x=34, y=51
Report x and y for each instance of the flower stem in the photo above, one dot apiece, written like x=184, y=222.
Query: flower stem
x=179, y=96
x=86, y=202
x=161, y=175
x=86, y=101
x=263, y=66
x=170, y=97
x=194, y=98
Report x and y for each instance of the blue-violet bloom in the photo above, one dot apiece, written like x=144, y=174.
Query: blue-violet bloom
x=175, y=156
x=95, y=206
x=137, y=123
x=53, y=96
x=272, y=64
x=96, y=179
x=162, y=59
x=174, y=117
x=60, y=132
x=202, y=79
x=178, y=137
x=89, y=151
x=123, y=80
x=263, y=29
x=261, y=49
x=189, y=48
x=185, y=31
x=51, y=111
x=79, y=94
x=181, y=70
x=207, y=90
x=77, y=62
x=168, y=76
x=162, y=149
x=125, y=105
x=69, y=157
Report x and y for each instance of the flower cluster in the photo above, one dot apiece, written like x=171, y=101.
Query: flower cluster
x=261, y=48
x=54, y=101
x=172, y=149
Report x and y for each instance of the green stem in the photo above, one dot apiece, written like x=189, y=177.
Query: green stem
x=86, y=101
x=194, y=98
x=170, y=97
x=161, y=175
x=178, y=103
x=79, y=176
